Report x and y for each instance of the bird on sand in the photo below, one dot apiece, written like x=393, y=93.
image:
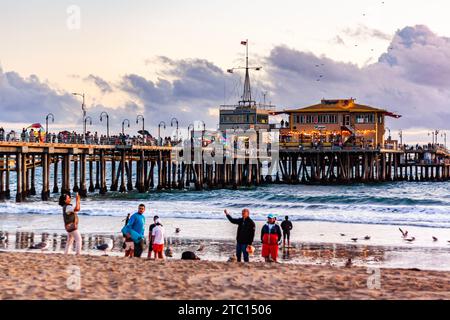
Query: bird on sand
x=107, y=246
x=202, y=246
x=434, y=238
x=348, y=264
x=404, y=233
x=41, y=245
x=168, y=252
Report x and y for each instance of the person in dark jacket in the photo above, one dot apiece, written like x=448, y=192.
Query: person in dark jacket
x=245, y=233
x=286, y=226
x=270, y=238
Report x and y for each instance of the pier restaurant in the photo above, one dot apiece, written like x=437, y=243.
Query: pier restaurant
x=335, y=123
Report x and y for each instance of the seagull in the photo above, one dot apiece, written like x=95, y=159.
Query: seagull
x=367, y=238
x=355, y=239
x=404, y=233
x=2, y=237
x=348, y=264
x=202, y=246
x=342, y=234
x=107, y=246
x=168, y=252
x=410, y=239
x=41, y=245
x=177, y=230
x=435, y=239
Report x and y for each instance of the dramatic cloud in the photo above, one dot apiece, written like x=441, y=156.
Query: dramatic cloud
x=30, y=99
x=409, y=79
x=196, y=85
x=103, y=85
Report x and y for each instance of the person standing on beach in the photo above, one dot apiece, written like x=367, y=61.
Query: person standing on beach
x=135, y=229
x=245, y=233
x=270, y=237
x=286, y=226
x=70, y=215
x=150, y=237
x=158, y=240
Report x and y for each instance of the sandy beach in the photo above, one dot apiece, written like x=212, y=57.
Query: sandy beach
x=50, y=276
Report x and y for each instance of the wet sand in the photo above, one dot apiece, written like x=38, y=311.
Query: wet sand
x=51, y=276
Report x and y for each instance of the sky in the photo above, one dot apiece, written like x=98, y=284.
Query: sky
x=166, y=59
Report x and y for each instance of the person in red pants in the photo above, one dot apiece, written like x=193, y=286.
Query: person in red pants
x=270, y=237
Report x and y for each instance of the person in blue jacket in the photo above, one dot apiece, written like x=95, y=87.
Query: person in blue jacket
x=135, y=229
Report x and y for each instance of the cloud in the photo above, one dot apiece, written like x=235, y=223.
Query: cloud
x=411, y=79
x=30, y=99
x=363, y=32
x=103, y=85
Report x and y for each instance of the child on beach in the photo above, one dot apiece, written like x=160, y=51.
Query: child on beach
x=270, y=236
x=158, y=240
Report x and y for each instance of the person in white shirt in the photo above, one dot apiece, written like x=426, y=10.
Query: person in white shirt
x=158, y=240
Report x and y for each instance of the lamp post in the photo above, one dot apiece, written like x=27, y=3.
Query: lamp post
x=432, y=136
x=83, y=106
x=203, y=131
x=400, y=134
x=171, y=124
x=85, y=125
x=159, y=129
x=104, y=113
x=143, y=126
x=444, y=135
x=189, y=131
x=123, y=125
x=46, y=123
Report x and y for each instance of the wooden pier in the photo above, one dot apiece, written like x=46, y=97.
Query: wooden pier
x=65, y=168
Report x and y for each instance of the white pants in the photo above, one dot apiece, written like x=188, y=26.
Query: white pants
x=71, y=236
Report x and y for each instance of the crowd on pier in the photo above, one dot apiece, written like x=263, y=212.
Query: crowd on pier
x=38, y=136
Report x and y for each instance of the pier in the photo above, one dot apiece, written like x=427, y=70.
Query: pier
x=66, y=168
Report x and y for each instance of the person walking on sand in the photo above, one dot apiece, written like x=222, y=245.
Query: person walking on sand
x=150, y=237
x=270, y=237
x=286, y=226
x=135, y=230
x=70, y=215
x=245, y=234
x=158, y=240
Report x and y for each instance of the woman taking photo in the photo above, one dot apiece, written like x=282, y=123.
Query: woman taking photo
x=70, y=215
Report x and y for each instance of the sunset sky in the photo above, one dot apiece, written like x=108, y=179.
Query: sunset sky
x=169, y=58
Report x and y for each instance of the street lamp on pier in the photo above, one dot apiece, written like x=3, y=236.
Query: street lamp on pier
x=104, y=113
x=50, y=115
x=83, y=105
x=143, y=126
x=85, y=125
x=171, y=124
x=159, y=130
x=123, y=125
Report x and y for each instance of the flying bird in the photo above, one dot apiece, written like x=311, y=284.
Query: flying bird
x=342, y=234
x=107, y=246
x=404, y=233
x=354, y=239
x=410, y=239
x=435, y=239
x=367, y=238
x=177, y=230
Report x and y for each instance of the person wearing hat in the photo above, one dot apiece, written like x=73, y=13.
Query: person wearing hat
x=245, y=234
x=270, y=238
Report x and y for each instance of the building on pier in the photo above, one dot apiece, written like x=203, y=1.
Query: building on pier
x=247, y=113
x=330, y=123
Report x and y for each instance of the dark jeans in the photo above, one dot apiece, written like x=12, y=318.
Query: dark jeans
x=138, y=248
x=286, y=234
x=241, y=248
